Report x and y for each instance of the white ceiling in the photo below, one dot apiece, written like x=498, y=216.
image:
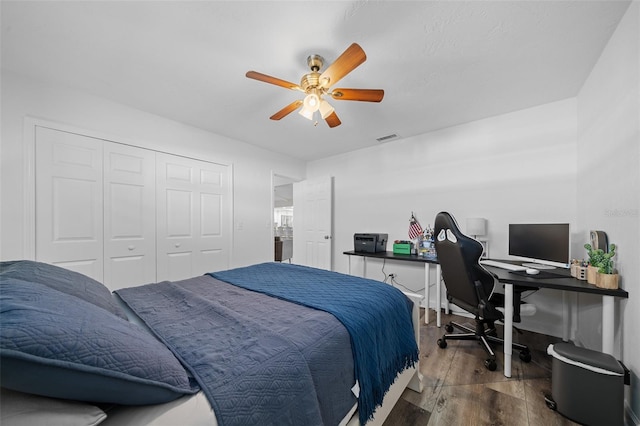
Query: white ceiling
x=441, y=63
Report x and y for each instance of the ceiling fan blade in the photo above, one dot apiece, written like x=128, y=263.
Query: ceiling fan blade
x=365, y=95
x=273, y=80
x=286, y=110
x=333, y=120
x=347, y=62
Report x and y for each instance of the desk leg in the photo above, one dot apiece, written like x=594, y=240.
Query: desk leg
x=364, y=267
x=349, y=264
x=508, y=328
x=608, y=317
x=566, y=317
x=438, y=296
x=426, y=292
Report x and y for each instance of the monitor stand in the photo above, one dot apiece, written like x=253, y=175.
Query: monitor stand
x=538, y=266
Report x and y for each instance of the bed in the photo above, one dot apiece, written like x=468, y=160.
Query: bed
x=265, y=344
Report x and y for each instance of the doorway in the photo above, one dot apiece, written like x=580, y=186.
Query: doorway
x=283, y=218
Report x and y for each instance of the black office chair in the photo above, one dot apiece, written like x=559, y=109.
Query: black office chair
x=470, y=287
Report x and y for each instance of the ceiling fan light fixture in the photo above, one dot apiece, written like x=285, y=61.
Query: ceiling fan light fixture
x=306, y=113
x=312, y=102
x=326, y=109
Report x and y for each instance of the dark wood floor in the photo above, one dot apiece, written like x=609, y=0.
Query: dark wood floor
x=459, y=390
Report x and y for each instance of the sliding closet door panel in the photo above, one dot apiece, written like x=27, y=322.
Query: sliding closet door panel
x=68, y=208
x=130, y=222
x=214, y=238
x=193, y=201
x=175, y=215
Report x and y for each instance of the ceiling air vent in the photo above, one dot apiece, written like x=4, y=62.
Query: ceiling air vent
x=387, y=138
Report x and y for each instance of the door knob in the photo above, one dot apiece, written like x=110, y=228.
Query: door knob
x=327, y=237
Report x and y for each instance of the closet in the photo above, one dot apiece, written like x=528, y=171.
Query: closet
x=125, y=215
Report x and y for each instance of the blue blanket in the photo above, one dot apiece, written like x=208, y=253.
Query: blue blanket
x=259, y=359
x=377, y=316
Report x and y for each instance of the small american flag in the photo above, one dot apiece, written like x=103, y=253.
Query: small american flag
x=415, y=230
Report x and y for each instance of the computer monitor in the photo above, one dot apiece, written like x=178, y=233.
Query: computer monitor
x=541, y=243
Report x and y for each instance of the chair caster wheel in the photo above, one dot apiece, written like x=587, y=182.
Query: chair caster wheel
x=490, y=364
x=525, y=356
x=449, y=328
x=550, y=402
x=442, y=343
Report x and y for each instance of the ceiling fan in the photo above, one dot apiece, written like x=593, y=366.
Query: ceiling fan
x=318, y=84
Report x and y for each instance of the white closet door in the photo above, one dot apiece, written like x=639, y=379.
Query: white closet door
x=193, y=211
x=68, y=208
x=129, y=221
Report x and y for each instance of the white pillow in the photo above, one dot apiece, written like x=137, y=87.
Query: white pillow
x=23, y=409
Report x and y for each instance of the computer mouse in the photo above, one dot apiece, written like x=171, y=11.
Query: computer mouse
x=531, y=271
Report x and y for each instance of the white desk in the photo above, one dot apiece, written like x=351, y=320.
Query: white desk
x=567, y=284
x=428, y=263
x=507, y=278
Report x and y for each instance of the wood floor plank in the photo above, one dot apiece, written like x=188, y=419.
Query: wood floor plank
x=477, y=405
x=407, y=414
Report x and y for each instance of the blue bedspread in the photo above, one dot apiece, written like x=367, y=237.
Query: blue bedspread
x=260, y=360
x=377, y=316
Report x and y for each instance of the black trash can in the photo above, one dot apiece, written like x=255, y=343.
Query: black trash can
x=587, y=386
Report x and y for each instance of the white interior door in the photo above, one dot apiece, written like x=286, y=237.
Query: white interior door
x=313, y=224
x=68, y=207
x=193, y=212
x=129, y=216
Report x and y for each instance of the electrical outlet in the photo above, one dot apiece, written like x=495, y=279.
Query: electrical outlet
x=392, y=276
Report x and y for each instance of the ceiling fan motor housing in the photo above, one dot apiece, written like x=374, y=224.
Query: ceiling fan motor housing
x=315, y=61
x=310, y=81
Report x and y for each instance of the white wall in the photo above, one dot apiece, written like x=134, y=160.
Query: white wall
x=609, y=181
x=252, y=167
x=514, y=168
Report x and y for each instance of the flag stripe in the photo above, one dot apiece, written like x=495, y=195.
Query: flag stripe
x=415, y=230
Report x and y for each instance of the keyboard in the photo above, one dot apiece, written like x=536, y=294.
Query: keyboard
x=502, y=265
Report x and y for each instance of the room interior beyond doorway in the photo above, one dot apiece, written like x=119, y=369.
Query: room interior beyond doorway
x=283, y=218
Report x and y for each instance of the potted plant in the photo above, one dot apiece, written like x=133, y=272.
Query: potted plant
x=607, y=276
x=595, y=258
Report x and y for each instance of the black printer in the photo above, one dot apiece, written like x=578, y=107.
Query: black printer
x=369, y=243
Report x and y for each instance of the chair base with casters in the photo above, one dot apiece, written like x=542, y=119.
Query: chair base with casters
x=484, y=337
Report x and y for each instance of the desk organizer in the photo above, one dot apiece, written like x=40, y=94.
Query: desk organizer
x=587, y=386
x=579, y=272
x=402, y=248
